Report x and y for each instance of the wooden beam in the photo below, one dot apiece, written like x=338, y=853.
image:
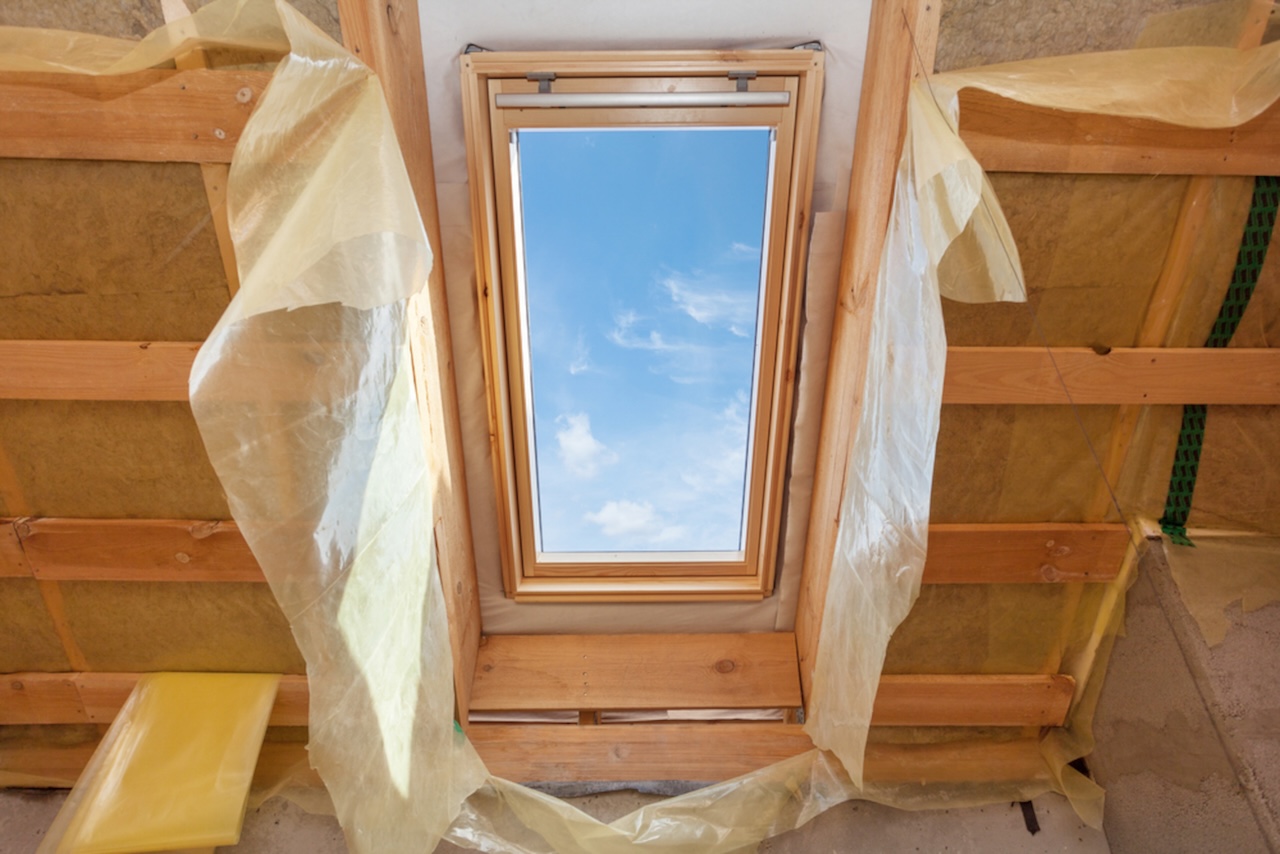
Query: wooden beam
x=1008, y=136
x=964, y=700
x=528, y=753
x=95, y=370
x=189, y=550
x=969, y=700
x=137, y=550
x=96, y=698
x=636, y=672
x=195, y=116
x=387, y=36
x=1148, y=376
x=882, y=109
x=1017, y=553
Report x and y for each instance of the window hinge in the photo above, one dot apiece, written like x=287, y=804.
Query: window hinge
x=543, y=79
x=742, y=78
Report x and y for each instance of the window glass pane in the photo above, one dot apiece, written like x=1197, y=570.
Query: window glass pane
x=642, y=256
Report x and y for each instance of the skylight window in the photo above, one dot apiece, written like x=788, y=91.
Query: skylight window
x=640, y=232
x=640, y=288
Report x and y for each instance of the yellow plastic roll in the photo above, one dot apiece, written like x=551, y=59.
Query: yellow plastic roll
x=174, y=769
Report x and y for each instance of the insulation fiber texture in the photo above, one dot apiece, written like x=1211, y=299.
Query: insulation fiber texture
x=305, y=401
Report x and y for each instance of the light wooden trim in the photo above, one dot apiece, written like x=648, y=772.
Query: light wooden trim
x=877, y=147
x=902, y=700
x=925, y=32
x=195, y=115
x=387, y=36
x=1148, y=376
x=96, y=698
x=1009, y=136
x=95, y=370
x=636, y=672
x=158, y=550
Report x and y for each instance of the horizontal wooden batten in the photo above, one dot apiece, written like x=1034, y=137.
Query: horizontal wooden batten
x=158, y=115
x=182, y=550
x=95, y=698
x=623, y=672
x=96, y=370
x=127, y=370
x=902, y=700
x=527, y=753
x=1034, y=375
x=1008, y=136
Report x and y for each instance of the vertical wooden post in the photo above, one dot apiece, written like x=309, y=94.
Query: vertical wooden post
x=386, y=36
x=882, y=114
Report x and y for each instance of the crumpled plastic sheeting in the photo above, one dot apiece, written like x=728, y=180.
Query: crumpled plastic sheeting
x=884, y=515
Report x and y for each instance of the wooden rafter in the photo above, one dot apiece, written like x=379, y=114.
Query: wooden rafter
x=1008, y=136
x=193, y=116
x=160, y=550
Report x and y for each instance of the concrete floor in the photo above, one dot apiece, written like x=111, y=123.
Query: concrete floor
x=279, y=827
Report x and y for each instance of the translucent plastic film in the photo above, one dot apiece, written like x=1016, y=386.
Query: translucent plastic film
x=174, y=769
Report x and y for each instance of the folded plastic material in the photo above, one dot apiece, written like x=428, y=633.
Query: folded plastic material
x=174, y=769
x=305, y=400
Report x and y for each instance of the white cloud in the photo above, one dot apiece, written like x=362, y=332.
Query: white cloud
x=623, y=336
x=582, y=453
x=581, y=362
x=711, y=306
x=742, y=250
x=635, y=520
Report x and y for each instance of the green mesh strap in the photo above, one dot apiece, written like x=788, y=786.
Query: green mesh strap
x=1253, y=252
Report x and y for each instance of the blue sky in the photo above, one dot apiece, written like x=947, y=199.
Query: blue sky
x=642, y=259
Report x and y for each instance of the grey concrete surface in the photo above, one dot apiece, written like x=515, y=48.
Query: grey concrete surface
x=1186, y=734
x=279, y=827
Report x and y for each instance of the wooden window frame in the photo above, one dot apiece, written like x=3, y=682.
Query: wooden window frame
x=486, y=75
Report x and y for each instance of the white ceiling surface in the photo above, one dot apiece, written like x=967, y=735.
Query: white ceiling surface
x=448, y=28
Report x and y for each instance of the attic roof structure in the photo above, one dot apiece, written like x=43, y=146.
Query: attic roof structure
x=140, y=535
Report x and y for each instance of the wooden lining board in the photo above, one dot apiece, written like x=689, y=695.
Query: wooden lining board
x=193, y=116
x=187, y=550
x=617, y=672
x=964, y=700
x=1034, y=375
x=1008, y=136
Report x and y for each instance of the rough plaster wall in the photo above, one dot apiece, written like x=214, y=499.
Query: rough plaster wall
x=1169, y=771
x=983, y=32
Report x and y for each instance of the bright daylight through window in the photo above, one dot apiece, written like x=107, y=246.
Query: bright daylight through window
x=641, y=224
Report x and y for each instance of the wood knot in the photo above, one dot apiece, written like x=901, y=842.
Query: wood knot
x=17, y=685
x=182, y=557
x=725, y=665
